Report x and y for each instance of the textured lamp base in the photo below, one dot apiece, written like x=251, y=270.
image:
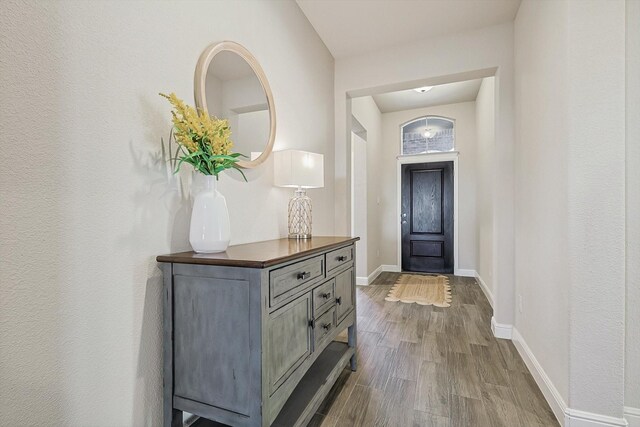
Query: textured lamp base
x=300, y=215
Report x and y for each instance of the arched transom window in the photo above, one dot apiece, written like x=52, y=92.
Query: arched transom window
x=430, y=134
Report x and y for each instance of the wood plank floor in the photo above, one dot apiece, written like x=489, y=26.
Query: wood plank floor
x=430, y=366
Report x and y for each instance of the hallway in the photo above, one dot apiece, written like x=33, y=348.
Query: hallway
x=430, y=366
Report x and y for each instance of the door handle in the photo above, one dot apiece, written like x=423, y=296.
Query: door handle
x=404, y=222
x=339, y=300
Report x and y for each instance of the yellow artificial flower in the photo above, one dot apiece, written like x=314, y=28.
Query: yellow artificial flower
x=205, y=135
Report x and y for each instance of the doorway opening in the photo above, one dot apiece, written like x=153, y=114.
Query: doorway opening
x=452, y=122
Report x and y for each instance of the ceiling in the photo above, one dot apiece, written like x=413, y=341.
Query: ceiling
x=449, y=93
x=354, y=27
x=228, y=65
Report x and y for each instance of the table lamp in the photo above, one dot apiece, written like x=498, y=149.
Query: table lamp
x=300, y=170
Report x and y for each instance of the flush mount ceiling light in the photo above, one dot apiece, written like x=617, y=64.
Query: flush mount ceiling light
x=423, y=89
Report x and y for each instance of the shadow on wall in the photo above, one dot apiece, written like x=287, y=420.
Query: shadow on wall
x=147, y=398
x=157, y=187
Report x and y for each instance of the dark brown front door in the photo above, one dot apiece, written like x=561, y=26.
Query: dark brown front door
x=427, y=217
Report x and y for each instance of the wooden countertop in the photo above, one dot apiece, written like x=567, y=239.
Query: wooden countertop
x=261, y=254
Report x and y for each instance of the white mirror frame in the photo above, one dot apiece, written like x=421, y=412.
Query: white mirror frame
x=199, y=87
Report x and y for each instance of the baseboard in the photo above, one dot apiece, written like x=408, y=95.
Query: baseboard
x=364, y=281
x=465, y=272
x=567, y=417
x=632, y=415
x=485, y=289
x=550, y=392
x=391, y=268
x=501, y=330
x=575, y=418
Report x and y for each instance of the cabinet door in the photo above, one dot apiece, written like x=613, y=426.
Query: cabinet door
x=344, y=293
x=212, y=341
x=289, y=340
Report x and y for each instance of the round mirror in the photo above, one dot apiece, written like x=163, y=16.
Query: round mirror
x=230, y=84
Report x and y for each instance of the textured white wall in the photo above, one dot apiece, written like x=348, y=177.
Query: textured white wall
x=462, y=56
x=542, y=270
x=366, y=111
x=570, y=205
x=632, y=344
x=486, y=133
x=596, y=205
x=88, y=202
x=360, y=220
x=465, y=131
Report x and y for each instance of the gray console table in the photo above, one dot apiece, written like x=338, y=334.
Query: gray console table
x=249, y=333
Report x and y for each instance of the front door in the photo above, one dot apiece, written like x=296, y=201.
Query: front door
x=427, y=217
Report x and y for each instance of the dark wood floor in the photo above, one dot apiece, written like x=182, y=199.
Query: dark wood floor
x=430, y=366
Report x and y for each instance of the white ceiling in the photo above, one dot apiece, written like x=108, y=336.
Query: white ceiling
x=353, y=27
x=439, y=95
x=228, y=65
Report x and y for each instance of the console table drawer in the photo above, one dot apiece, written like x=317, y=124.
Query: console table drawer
x=339, y=257
x=323, y=326
x=324, y=296
x=286, y=281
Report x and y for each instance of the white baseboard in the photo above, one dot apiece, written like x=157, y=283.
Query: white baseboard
x=500, y=330
x=391, y=268
x=485, y=289
x=632, y=415
x=566, y=416
x=363, y=281
x=575, y=418
x=549, y=391
x=465, y=272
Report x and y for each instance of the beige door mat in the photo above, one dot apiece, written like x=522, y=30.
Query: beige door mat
x=421, y=289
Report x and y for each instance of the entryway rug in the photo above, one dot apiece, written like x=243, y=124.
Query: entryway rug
x=423, y=290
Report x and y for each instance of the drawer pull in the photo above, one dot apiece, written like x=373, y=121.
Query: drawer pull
x=326, y=326
x=341, y=258
x=339, y=300
x=304, y=275
x=326, y=295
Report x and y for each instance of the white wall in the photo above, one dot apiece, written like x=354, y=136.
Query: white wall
x=473, y=54
x=632, y=343
x=366, y=111
x=465, y=142
x=485, y=131
x=360, y=217
x=88, y=201
x=597, y=205
x=542, y=270
x=570, y=214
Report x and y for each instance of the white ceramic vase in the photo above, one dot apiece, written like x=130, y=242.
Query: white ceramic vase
x=210, y=230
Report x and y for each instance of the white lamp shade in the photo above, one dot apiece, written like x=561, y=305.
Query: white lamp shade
x=293, y=168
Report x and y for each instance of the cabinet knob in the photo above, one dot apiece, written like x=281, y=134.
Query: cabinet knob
x=339, y=300
x=326, y=326
x=326, y=295
x=312, y=323
x=342, y=258
x=304, y=275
